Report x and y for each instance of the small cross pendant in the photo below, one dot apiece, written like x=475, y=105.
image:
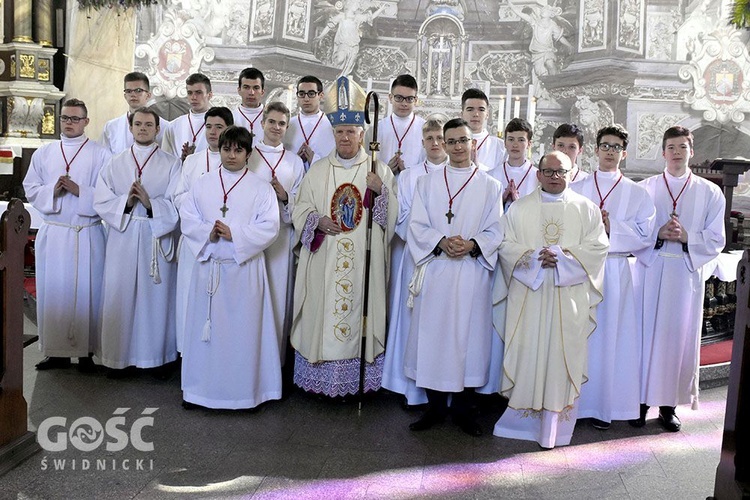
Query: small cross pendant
x=449, y=215
x=674, y=214
x=224, y=210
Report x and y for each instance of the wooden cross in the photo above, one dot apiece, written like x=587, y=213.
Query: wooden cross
x=224, y=210
x=449, y=215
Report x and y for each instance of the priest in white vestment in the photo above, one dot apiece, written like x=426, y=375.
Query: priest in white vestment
x=248, y=114
x=134, y=197
x=330, y=218
x=283, y=171
x=229, y=217
x=553, y=260
x=568, y=139
x=516, y=174
x=490, y=151
x=185, y=136
x=613, y=391
x=454, y=233
x=310, y=133
x=116, y=136
x=70, y=243
x=217, y=119
x=399, y=313
x=670, y=276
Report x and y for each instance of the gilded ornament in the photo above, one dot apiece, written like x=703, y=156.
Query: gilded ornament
x=27, y=66
x=48, y=122
x=44, y=70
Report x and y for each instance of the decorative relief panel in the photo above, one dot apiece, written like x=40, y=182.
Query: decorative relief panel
x=592, y=25
x=380, y=63
x=660, y=93
x=505, y=67
x=43, y=74
x=262, y=15
x=660, y=35
x=630, y=25
x=592, y=90
x=48, y=121
x=591, y=116
x=651, y=127
x=27, y=66
x=297, y=20
x=24, y=116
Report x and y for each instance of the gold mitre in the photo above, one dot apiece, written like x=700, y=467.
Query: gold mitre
x=345, y=103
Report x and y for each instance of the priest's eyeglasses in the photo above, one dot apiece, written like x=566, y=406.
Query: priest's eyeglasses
x=453, y=142
x=408, y=98
x=138, y=91
x=71, y=119
x=309, y=93
x=605, y=146
x=551, y=172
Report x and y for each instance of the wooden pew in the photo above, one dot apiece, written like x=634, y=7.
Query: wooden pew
x=16, y=442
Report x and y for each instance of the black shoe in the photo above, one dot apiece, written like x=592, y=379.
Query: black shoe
x=86, y=365
x=51, y=363
x=114, y=373
x=190, y=406
x=668, y=419
x=599, y=424
x=428, y=420
x=640, y=421
x=468, y=425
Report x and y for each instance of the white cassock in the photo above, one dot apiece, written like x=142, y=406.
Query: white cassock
x=550, y=312
x=524, y=177
x=490, y=150
x=231, y=357
x=329, y=287
x=279, y=256
x=399, y=319
x=613, y=391
x=250, y=119
x=116, y=136
x=69, y=247
x=450, y=338
x=578, y=175
x=138, y=314
x=196, y=165
x=314, y=129
x=394, y=129
x=188, y=128
x=670, y=287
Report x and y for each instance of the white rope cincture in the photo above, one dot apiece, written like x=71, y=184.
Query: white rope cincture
x=214, y=279
x=417, y=280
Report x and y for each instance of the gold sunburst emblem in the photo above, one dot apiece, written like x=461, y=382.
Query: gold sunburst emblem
x=553, y=230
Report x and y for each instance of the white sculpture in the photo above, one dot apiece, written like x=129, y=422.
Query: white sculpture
x=547, y=29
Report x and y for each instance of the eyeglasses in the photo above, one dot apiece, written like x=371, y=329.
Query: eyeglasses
x=462, y=141
x=549, y=172
x=605, y=146
x=134, y=91
x=309, y=93
x=408, y=98
x=71, y=119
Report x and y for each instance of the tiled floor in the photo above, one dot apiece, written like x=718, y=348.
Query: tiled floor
x=303, y=447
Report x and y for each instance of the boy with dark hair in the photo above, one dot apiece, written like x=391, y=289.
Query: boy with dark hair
x=400, y=133
x=517, y=174
x=217, y=119
x=185, y=134
x=613, y=388
x=116, y=136
x=568, y=139
x=309, y=134
x=689, y=233
x=231, y=358
x=490, y=150
x=251, y=87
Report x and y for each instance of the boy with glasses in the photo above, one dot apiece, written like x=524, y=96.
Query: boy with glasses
x=249, y=112
x=400, y=134
x=310, y=134
x=70, y=243
x=116, y=136
x=490, y=150
x=552, y=259
x=670, y=276
x=613, y=388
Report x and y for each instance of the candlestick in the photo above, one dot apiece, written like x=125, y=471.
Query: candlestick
x=517, y=107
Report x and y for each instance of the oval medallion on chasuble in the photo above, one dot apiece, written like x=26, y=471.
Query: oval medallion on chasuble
x=346, y=207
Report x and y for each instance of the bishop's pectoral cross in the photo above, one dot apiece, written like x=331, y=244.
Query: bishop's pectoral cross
x=224, y=210
x=449, y=215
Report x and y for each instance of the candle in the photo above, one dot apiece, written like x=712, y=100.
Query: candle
x=369, y=84
x=508, y=91
x=517, y=108
x=289, y=94
x=532, y=111
x=529, y=108
x=500, y=111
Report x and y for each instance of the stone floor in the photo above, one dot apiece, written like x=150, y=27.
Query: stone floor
x=304, y=447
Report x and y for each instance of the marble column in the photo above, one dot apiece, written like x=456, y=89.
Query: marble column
x=22, y=21
x=43, y=18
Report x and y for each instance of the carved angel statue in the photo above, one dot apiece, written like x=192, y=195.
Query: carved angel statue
x=347, y=18
x=548, y=28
